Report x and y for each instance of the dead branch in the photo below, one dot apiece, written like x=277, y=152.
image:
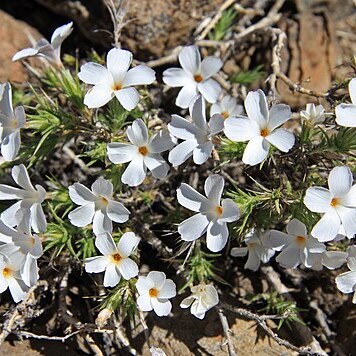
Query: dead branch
x=227, y=332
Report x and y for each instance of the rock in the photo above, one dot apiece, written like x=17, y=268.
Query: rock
x=14, y=36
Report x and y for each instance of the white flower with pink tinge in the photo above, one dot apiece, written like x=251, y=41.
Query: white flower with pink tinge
x=260, y=128
x=213, y=213
x=155, y=290
x=338, y=204
x=96, y=206
x=194, y=76
x=115, y=80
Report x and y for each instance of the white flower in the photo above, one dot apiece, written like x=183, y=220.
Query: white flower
x=202, y=299
x=330, y=260
x=143, y=153
x=26, y=243
x=196, y=135
x=227, y=107
x=260, y=128
x=115, y=80
x=313, y=114
x=29, y=197
x=346, y=282
x=346, y=113
x=116, y=261
x=154, y=292
x=10, y=276
x=44, y=49
x=96, y=206
x=338, y=204
x=213, y=214
x=297, y=247
x=11, y=121
x=195, y=77
x=256, y=249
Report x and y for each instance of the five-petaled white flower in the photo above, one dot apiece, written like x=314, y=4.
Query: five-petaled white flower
x=115, y=80
x=143, y=153
x=338, y=204
x=227, y=107
x=313, y=114
x=29, y=197
x=297, y=247
x=44, y=49
x=260, y=128
x=116, y=261
x=10, y=275
x=196, y=135
x=346, y=113
x=195, y=77
x=256, y=249
x=11, y=121
x=213, y=214
x=203, y=298
x=28, y=244
x=346, y=282
x=154, y=291
x=96, y=206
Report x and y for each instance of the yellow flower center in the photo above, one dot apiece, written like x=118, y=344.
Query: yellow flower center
x=198, y=78
x=264, y=132
x=334, y=202
x=300, y=240
x=153, y=292
x=219, y=210
x=116, y=257
x=117, y=87
x=225, y=114
x=143, y=150
x=104, y=201
x=6, y=272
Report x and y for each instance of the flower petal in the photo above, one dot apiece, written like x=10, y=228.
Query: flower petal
x=127, y=244
x=25, y=53
x=60, y=34
x=80, y=194
x=210, y=66
x=83, y=215
x=128, y=268
x=118, y=62
x=139, y=75
x=96, y=264
x=197, y=112
x=278, y=115
x=348, y=220
x=214, y=187
x=135, y=173
x=296, y=228
x=189, y=59
x=202, y=152
x=38, y=218
x=346, y=281
x=256, y=151
x=317, y=199
x=289, y=257
x=8, y=216
x=10, y=146
x=157, y=165
x=194, y=227
x=183, y=129
x=121, y=152
x=282, y=139
x=117, y=212
x=256, y=107
x=239, y=251
x=177, y=77
x=144, y=284
x=94, y=73
x=327, y=227
x=102, y=187
x=181, y=152
x=210, y=89
x=334, y=259
x=160, y=142
x=240, y=129
x=340, y=181
x=105, y=244
x=98, y=96
x=158, y=279
x=186, y=95
x=144, y=303
x=216, y=236
x=138, y=133
x=346, y=115
x=191, y=199
x=231, y=211
x=17, y=292
x=128, y=97
x=101, y=223
x=168, y=290
x=111, y=276
x=161, y=307
x=216, y=124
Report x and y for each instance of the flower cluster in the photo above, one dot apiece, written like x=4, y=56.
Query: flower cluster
x=189, y=136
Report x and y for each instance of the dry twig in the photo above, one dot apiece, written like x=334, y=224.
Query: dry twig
x=227, y=332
